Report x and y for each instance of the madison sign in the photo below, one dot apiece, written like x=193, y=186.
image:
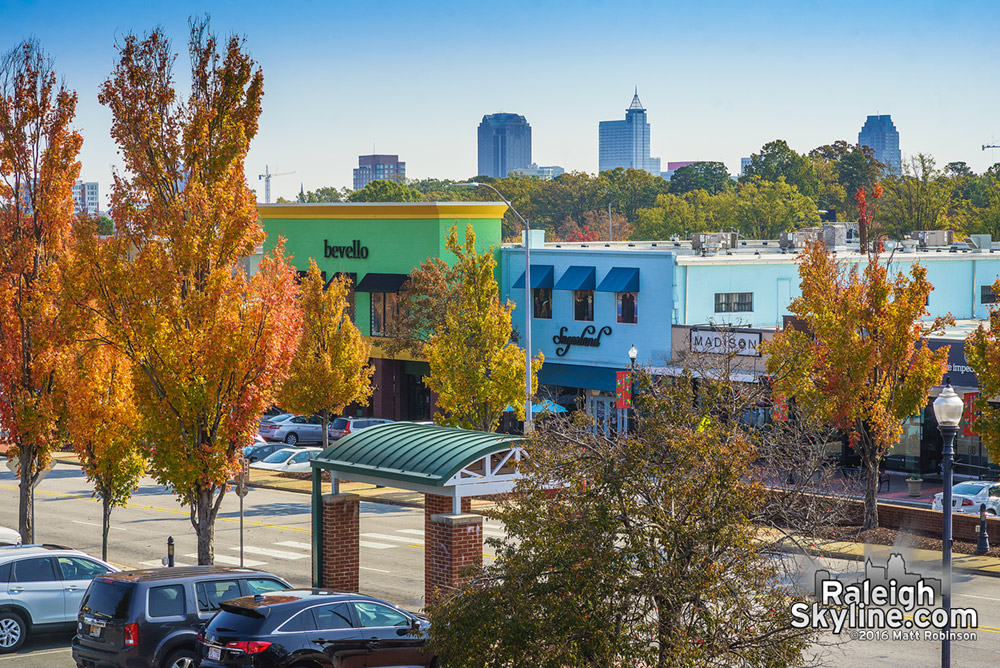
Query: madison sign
x=725, y=342
x=353, y=252
x=587, y=338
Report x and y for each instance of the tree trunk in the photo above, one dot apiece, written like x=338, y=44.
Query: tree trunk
x=326, y=425
x=871, y=495
x=26, y=496
x=106, y=526
x=203, y=519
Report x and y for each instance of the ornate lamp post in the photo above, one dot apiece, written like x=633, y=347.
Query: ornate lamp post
x=948, y=408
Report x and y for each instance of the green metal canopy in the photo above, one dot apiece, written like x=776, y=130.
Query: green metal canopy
x=417, y=455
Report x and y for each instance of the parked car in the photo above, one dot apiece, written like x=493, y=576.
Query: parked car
x=9, y=537
x=258, y=451
x=268, y=425
x=150, y=618
x=966, y=497
x=314, y=627
x=288, y=460
x=300, y=429
x=41, y=587
x=343, y=426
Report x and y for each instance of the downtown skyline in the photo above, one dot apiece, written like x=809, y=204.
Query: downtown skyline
x=717, y=81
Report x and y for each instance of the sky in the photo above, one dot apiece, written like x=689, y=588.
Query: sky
x=719, y=79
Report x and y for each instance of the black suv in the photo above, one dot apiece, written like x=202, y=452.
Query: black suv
x=313, y=627
x=150, y=618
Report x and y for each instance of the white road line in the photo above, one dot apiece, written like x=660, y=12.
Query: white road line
x=375, y=546
x=398, y=539
x=412, y=532
x=277, y=554
x=230, y=561
x=296, y=544
x=93, y=524
x=22, y=656
x=156, y=563
x=377, y=570
x=985, y=598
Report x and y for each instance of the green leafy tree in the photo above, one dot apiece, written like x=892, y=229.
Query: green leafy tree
x=917, y=200
x=637, y=551
x=711, y=177
x=777, y=160
x=330, y=369
x=105, y=226
x=861, y=362
x=475, y=369
x=631, y=189
x=766, y=208
x=320, y=195
x=681, y=216
x=385, y=191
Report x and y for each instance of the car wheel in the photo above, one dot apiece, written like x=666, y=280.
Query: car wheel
x=292, y=438
x=182, y=658
x=991, y=511
x=13, y=631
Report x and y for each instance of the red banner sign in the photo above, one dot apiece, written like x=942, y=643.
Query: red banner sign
x=623, y=390
x=970, y=413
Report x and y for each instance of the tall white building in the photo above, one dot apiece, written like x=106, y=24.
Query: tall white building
x=626, y=143
x=87, y=197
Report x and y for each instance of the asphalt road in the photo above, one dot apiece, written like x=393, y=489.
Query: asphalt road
x=277, y=539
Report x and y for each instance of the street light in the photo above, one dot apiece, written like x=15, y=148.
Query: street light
x=632, y=354
x=948, y=408
x=528, y=424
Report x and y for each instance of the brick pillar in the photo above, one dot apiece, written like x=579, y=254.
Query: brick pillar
x=452, y=544
x=340, y=542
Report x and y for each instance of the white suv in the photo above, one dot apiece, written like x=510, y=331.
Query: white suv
x=41, y=587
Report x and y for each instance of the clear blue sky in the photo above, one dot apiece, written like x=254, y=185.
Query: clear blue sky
x=719, y=79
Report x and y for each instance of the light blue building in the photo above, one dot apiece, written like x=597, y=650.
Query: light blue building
x=626, y=143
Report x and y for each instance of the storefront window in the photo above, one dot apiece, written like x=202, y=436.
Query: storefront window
x=627, y=305
x=383, y=312
x=543, y=303
x=583, y=305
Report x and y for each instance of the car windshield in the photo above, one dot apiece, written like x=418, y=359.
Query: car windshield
x=278, y=457
x=229, y=622
x=108, y=599
x=339, y=423
x=281, y=418
x=967, y=489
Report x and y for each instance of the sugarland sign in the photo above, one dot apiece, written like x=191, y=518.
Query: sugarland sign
x=590, y=337
x=725, y=342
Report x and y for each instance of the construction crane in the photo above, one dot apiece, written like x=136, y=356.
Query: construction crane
x=266, y=176
x=986, y=146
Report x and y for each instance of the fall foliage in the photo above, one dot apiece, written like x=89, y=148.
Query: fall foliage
x=475, y=369
x=862, y=363
x=209, y=345
x=330, y=368
x=38, y=166
x=982, y=351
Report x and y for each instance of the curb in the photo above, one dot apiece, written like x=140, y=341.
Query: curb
x=851, y=556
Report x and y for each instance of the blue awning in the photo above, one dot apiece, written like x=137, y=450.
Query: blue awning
x=577, y=375
x=577, y=278
x=620, y=279
x=541, y=277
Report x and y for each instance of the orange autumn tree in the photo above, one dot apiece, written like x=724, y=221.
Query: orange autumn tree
x=330, y=368
x=860, y=362
x=475, y=368
x=38, y=166
x=209, y=344
x=982, y=351
x=103, y=424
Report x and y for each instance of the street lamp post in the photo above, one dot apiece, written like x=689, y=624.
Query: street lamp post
x=632, y=354
x=528, y=423
x=948, y=409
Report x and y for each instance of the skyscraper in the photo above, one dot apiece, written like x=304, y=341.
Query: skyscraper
x=378, y=168
x=881, y=135
x=504, y=144
x=626, y=143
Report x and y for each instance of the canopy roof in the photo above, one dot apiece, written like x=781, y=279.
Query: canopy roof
x=419, y=457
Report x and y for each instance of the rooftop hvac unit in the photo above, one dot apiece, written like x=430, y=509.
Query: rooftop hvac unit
x=798, y=239
x=933, y=237
x=714, y=240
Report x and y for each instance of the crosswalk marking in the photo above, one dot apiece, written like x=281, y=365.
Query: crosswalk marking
x=375, y=546
x=399, y=539
x=94, y=524
x=231, y=561
x=377, y=570
x=267, y=552
x=295, y=544
x=412, y=532
x=156, y=563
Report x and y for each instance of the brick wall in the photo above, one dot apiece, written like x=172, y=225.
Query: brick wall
x=340, y=566
x=452, y=544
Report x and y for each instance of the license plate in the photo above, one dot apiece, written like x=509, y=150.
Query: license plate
x=95, y=631
x=214, y=653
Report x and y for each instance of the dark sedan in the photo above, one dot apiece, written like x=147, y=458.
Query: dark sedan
x=313, y=627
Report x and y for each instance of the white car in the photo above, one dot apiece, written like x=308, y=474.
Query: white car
x=9, y=537
x=966, y=497
x=288, y=460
